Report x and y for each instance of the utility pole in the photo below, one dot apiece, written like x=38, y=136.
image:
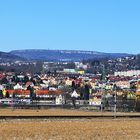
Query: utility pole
x=103, y=80
x=115, y=100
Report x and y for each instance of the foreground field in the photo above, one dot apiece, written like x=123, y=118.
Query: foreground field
x=70, y=130
x=56, y=112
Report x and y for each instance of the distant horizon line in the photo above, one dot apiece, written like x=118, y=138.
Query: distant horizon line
x=70, y=50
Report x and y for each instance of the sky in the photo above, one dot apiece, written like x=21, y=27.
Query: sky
x=96, y=25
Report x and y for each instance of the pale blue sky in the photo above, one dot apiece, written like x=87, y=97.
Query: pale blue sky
x=98, y=25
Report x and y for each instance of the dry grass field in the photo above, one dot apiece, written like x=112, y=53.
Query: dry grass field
x=94, y=129
x=66, y=129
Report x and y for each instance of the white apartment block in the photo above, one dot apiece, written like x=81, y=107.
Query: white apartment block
x=127, y=73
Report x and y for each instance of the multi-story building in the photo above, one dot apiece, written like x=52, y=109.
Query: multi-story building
x=127, y=73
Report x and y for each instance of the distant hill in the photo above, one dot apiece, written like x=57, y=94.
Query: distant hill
x=4, y=57
x=64, y=55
